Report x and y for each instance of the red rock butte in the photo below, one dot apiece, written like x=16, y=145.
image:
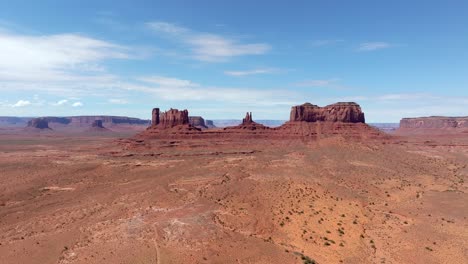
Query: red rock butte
x=172, y=121
x=247, y=124
x=348, y=112
x=39, y=123
x=433, y=125
x=306, y=121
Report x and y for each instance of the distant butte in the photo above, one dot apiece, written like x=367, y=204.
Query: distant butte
x=172, y=121
x=340, y=119
x=344, y=119
x=248, y=124
x=433, y=125
x=348, y=112
x=39, y=123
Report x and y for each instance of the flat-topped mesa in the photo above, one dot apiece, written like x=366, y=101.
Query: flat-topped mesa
x=209, y=124
x=173, y=118
x=434, y=122
x=97, y=124
x=197, y=121
x=346, y=112
x=40, y=123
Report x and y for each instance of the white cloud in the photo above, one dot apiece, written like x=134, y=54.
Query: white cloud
x=325, y=42
x=168, y=28
x=167, y=81
x=330, y=83
x=173, y=89
x=61, y=102
x=54, y=57
x=208, y=47
x=371, y=46
x=77, y=104
x=117, y=101
x=21, y=103
x=250, y=72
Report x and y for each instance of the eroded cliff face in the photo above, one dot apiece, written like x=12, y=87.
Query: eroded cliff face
x=39, y=123
x=197, y=121
x=174, y=117
x=339, y=112
x=247, y=124
x=97, y=124
x=434, y=122
x=209, y=124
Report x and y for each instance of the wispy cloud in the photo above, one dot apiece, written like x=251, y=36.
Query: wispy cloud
x=117, y=101
x=54, y=57
x=371, y=46
x=325, y=42
x=173, y=89
x=251, y=72
x=21, y=103
x=77, y=104
x=208, y=47
x=324, y=83
x=61, y=102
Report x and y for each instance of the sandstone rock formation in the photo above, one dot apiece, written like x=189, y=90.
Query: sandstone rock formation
x=338, y=112
x=248, y=124
x=339, y=119
x=168, y=124
x=97, y=123
x=247, y=119
x=39, y=123
x=209, y=124
x=197, y=121
x=87, y=121
x=434, y=122
x=170, y=118
x=155, y=117
x=436, y=125
x=97, y=126
x=308, y=121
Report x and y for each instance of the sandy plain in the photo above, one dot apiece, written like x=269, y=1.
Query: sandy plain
x=106, y=198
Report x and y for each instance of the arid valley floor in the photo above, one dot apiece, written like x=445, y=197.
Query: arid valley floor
x=104, y=199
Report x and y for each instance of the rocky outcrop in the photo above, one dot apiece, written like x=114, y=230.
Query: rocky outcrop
x=339, y=119
x=171, y=123
x=197, y=121
x=248, y=119
x=97, y=124
x=39, y=123
x=155, y=115
x=345, y=120
x=173, y=118
x=209, y=124
x=434, y=122
x=87, y=121
x=339, y=112
x=247, y=124
x=433, y=125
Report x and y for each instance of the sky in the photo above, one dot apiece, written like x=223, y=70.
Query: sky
x=220, y=59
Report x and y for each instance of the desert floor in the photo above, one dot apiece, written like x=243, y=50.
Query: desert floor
x=100, y=199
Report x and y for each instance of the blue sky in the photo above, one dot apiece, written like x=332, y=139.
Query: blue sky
x=395, y=58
